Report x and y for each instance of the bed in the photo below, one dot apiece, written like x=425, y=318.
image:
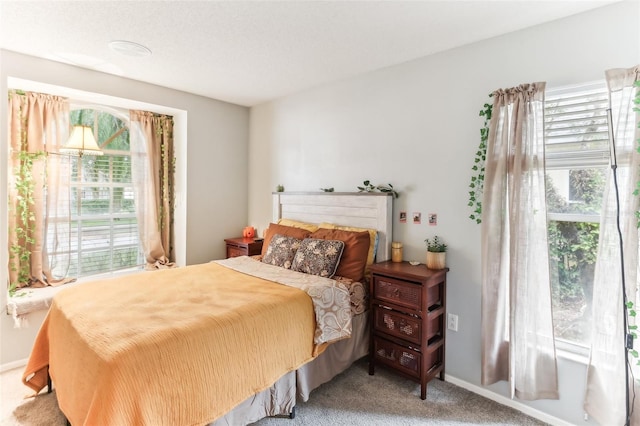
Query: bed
x=132, y=356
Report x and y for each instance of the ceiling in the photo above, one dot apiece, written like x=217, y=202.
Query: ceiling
x=247, y=52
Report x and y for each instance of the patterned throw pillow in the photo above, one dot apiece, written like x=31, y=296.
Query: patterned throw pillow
x=318, y=257
x=281, y=251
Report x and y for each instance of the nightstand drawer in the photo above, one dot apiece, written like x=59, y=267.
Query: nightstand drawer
x=397, y=324
x=434, y=297
x=435, y=326
x=403, y=293
x=401, y=358
x=243, y=246
x=235, y=251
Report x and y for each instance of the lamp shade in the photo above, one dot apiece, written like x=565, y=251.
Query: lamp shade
x=81, y=142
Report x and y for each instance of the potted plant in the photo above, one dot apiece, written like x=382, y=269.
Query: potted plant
x=436, y=253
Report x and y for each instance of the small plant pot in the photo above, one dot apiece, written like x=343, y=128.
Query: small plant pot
x=436, y=260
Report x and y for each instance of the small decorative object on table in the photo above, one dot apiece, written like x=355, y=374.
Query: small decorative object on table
x=279, y=188
x=436, y=253
x=249, y=232
x=396, y=251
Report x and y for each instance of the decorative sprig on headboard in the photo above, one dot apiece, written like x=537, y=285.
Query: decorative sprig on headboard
x=369, y=187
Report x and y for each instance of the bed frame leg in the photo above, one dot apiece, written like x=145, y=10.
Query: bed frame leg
x=49, y=387
x=292, y=415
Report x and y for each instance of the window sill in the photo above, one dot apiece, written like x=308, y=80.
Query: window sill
x=572, y=352
x=29, y=300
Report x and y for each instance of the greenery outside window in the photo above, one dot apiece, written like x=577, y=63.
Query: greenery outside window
x=577, y=160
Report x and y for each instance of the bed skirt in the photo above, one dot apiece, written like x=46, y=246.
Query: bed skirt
x=279, y=399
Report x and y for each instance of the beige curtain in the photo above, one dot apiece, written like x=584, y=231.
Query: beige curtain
x=38, y=126
x=606, y=393
x=153, y=174
x=517, y=330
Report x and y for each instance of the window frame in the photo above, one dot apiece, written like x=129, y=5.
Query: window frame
x=79, y=186
x=592, y=159
x=19, y=306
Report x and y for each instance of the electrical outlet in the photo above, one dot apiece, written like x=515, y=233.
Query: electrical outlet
x=452, y=322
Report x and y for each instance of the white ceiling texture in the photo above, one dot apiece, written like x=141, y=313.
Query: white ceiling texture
x=250, y=52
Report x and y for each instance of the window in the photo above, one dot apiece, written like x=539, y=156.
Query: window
x=103, y=231
x=577, y=159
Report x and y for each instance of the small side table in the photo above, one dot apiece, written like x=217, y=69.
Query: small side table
x=243, y=246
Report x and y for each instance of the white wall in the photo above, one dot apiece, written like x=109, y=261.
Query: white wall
x=212, y=167
x=416, y=125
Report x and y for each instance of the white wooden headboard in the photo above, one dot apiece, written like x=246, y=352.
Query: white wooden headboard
x=364, y=210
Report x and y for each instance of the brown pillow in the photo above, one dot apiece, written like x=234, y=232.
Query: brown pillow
x=286, y=231
x=354, y=255
x=373, y=237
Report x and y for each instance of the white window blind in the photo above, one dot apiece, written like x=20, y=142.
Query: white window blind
x=104, y=231
x=576, y=129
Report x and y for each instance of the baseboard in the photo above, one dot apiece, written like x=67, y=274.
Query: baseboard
x=11, y=365
x=500, y=399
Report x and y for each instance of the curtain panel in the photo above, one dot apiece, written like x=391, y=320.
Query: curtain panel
x=517, y=329
x=38, y=188
x=605, y=398
x=153, y=166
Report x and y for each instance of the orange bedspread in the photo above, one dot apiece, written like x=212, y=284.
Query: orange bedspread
x=172, y=347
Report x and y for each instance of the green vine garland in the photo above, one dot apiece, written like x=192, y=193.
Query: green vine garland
x=20, y=253
x=477, y=179
x=632, y=329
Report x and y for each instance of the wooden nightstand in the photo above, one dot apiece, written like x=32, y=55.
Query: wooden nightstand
x=243, y=246
x=408, y=321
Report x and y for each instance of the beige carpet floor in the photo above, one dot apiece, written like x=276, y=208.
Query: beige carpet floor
x=353, y=398
x=16, y=409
